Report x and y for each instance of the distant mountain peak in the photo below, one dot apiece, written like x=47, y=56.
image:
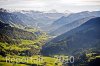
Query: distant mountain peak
x=67, y=11
x=3, y=10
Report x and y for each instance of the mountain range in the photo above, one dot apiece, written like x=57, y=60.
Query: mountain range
x=61, y=25
x=29, y=18
x=84, y=37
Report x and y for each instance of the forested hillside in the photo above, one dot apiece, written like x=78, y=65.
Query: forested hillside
x=18, y=41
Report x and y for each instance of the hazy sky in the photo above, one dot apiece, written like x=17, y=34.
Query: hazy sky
x=45, y=5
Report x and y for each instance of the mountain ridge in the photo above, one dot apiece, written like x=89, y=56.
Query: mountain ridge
x=71, y=18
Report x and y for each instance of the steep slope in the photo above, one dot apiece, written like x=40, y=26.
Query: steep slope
x=71, y=18
x=86, y=36
x=70, y=26
x=7, y=31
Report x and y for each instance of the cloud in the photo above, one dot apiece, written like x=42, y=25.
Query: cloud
x=60, y=5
